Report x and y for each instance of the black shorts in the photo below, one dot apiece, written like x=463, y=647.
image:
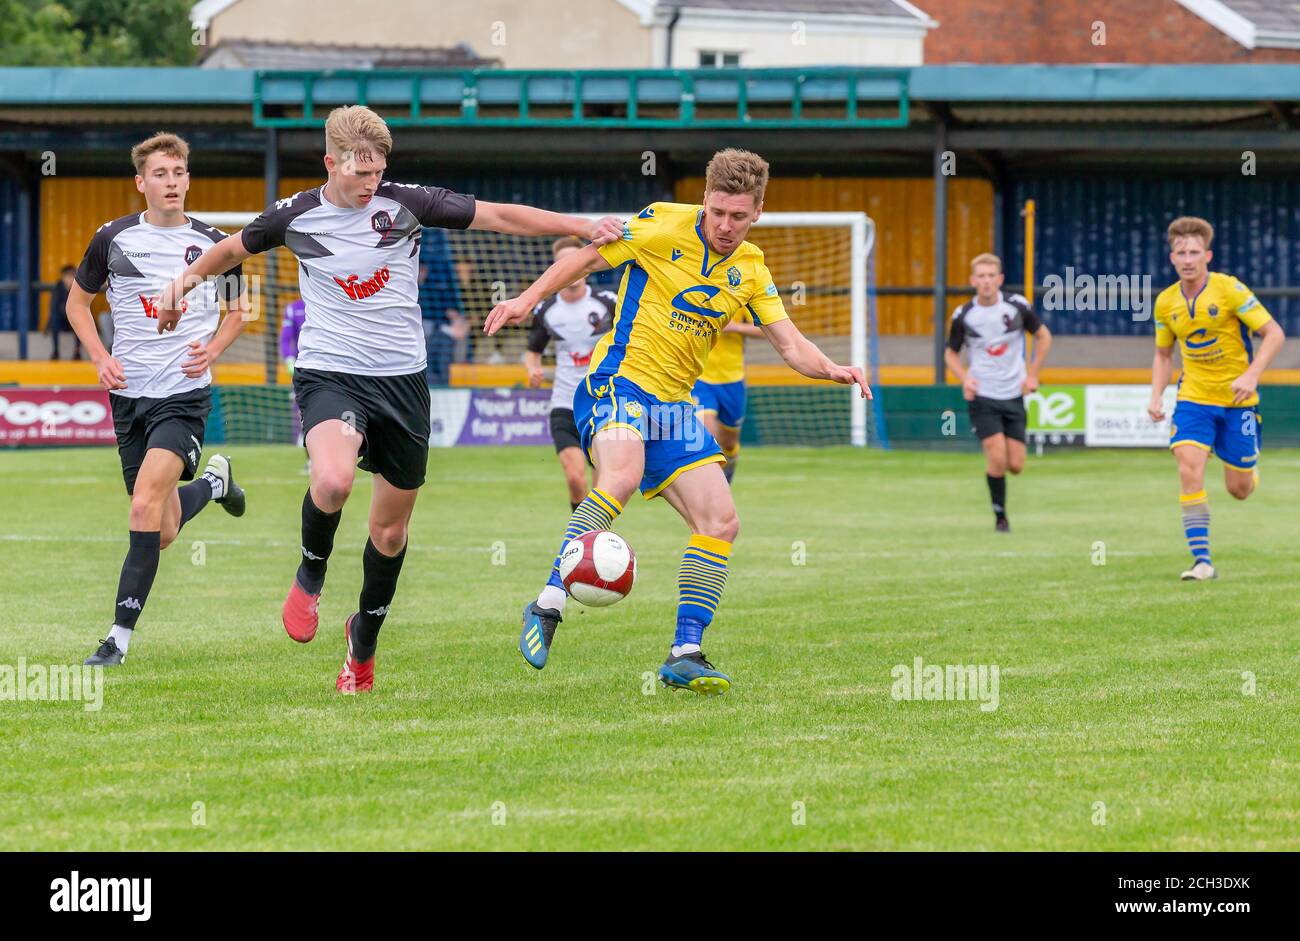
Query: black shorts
x=391, y=413
x=174, y=423
x=998, y=416
x=564, y=431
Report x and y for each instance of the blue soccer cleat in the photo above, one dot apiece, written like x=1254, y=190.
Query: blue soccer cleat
x=691, y=671
x=537, y=632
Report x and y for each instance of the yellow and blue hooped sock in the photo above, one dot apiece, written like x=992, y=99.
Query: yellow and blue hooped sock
x=1196, y=524
x=700, y=580
x=598, y=510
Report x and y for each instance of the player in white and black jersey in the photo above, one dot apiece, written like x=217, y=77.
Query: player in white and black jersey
x=573, y=319
x=360, y=377
x=158, y=384
x=992, y=328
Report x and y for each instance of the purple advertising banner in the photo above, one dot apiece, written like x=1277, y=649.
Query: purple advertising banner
x=507, y=416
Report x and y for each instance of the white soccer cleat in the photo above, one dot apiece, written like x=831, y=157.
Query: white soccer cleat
x=232, y=498
x=1200, y=572
x=219, y=467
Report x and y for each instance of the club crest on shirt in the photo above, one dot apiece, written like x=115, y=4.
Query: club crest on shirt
x=733, y=276
x=381, y=222
x=192, y=253
x=1214, y=310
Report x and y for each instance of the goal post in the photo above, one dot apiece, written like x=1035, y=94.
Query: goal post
x=821, y=262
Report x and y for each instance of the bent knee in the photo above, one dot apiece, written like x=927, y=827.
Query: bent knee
x=1015, y=467
x=725, y=527
x=146, y=509
x=389, y=538
x=331, y=489
x=1241, y=489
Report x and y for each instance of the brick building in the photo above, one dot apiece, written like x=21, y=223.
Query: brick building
x=1097, y=31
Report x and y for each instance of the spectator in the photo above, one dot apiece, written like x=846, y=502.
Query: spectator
x=58, y=321
x=295, y=312
x=444, y=323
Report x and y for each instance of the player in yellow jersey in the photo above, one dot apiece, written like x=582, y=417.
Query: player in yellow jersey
x=719, y=393
x=1212, y=316
x=690, y=273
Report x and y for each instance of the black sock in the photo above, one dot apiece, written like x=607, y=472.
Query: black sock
x=138, y=572
x=998, y=494
x=317, y=543
x=194, y=497
x=378, y=585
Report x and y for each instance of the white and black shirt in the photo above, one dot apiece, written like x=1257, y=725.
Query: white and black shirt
x=133, y=261
x=358, y=273
x=575, y=327
x=995, y=336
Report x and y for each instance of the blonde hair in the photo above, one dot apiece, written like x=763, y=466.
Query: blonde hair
x=985, y=258
x=172, y=145
x=736, y=172
x=358, y=130
x=1185, y=226
x=567, y=241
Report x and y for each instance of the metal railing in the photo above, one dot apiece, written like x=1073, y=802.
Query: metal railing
x=809, y=98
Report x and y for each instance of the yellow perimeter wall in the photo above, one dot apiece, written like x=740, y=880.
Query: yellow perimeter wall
x=72, y=208
x=903, y=210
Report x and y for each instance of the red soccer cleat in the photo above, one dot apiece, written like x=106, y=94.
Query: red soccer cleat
x=300, y=614
x=355, y=677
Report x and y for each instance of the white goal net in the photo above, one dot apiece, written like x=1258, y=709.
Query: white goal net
x=821, y=263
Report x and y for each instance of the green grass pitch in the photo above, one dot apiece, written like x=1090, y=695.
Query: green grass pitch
x=1126, y=716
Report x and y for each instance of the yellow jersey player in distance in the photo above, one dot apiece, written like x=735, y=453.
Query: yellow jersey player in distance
x=1211, y=315
x=690, y=273
x=720, y=392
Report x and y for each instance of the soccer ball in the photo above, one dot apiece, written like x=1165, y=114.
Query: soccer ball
x=598, y=568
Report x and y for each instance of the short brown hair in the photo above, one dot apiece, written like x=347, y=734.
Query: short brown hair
x=567, y=241
x=173, y=145
x=1185, y=226
x=735, y=172
x=356, y=129
x=985, y=258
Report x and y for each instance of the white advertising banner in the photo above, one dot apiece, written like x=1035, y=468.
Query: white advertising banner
x=1116, y=417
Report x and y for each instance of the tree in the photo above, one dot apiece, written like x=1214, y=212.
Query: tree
x=96, y=32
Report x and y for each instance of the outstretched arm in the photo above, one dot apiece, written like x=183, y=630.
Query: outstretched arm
x=223, y=256
x=511, y=219
x=565, y=271
x=803, y=356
